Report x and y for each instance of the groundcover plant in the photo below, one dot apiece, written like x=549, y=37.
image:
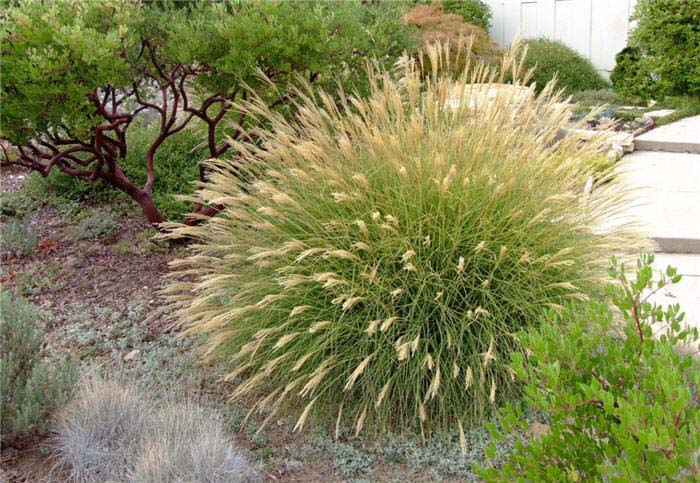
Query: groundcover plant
x=376, y=256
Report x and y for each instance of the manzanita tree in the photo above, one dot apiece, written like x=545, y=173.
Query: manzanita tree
x=77, y=73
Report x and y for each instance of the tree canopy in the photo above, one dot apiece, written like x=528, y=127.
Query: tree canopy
x=77, y=73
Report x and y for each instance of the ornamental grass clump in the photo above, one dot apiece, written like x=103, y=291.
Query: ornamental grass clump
x=373, y=259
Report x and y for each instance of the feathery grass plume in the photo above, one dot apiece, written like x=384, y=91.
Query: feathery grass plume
x=483, y=193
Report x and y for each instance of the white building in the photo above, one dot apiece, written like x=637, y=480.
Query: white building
x=596, y=28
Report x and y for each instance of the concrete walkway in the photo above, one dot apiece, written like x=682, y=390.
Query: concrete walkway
x=666, y=165
x=669, y=197
x=678, y=137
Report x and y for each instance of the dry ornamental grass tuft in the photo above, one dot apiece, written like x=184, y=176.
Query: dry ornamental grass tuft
x=98, y=434
x=111, y=431
x=382, y=252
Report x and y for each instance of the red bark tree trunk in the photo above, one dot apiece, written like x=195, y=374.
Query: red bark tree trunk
x=141, y=196
x=149, y=208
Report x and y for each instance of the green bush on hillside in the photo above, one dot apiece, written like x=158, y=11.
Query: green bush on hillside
x=664, y=48
x=618, y=386
x=31, y=389
x=554, y=58
x=377, y=264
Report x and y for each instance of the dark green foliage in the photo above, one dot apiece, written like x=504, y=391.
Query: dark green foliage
x=176, y=166
x=551, y=57
x=59, y=188
x=475, y=12
x=31, y=388
x=663, y=58
x=629, y=78
x=620, y=384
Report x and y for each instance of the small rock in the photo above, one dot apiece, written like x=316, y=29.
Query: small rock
x=131, y=355
x=537, y=429
x=289, y=465
x=616, y=152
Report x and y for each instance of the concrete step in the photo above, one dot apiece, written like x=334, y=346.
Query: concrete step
x=678, y=137
x=669, y=198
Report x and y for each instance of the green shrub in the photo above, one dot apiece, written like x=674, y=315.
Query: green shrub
x=74, y=112
x=552, y=57
x=377, y=265
x=621, y=393
x=63, y=188
x=18, y=237
x=663, y=53
x=595, y=97
x=629, y=78
x=475, y=12
x=96, y=223
x=176, y=166
x=31, y=388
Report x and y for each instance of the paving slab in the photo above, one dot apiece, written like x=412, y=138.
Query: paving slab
x=679, y=137
x=659, y=113
x=668, y=202
x=687, y=292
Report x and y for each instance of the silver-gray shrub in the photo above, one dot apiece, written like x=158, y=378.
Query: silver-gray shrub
x=99, y=433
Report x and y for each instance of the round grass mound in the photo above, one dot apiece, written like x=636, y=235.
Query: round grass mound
x=554, y=58
x=373, y=262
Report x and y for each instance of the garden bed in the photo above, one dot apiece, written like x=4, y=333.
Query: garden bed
x=101, y=306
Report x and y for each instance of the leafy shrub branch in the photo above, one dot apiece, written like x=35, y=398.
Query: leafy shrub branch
x=619, y=382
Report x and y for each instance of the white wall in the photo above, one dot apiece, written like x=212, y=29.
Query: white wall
x=596, y=28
